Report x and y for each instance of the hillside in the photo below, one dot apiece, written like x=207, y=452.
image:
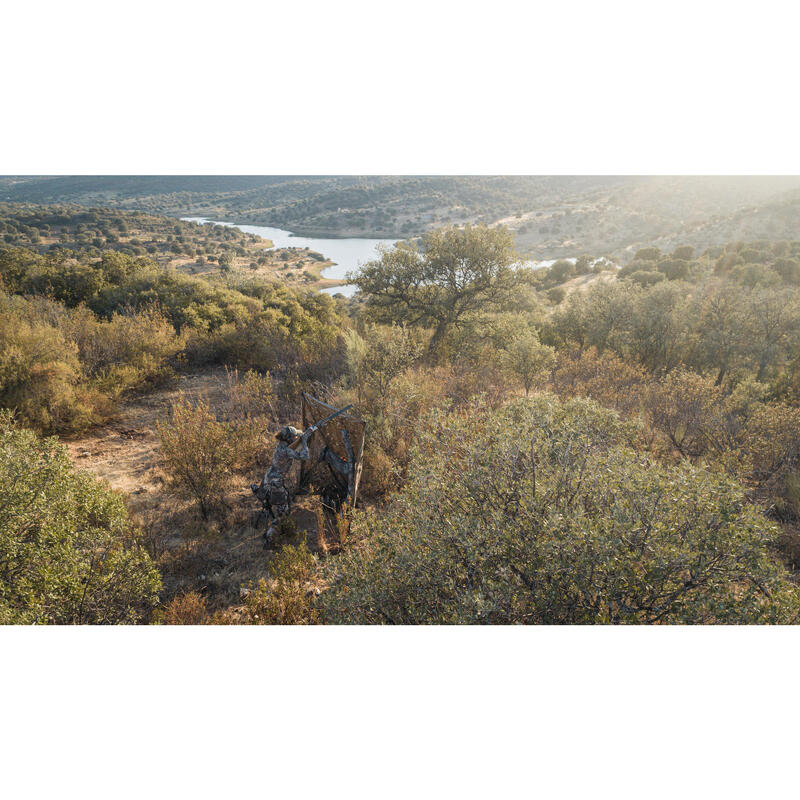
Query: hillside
x=664, y=212
x=552, y=217
x=209, y=250
x=328, y=205
x=600, y=391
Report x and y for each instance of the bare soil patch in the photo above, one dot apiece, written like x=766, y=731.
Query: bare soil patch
x=215, y=557
x=125, y=451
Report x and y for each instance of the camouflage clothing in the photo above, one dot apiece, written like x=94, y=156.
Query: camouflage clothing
x=339, y=464
x=273, y=486
x=346, y=468
x=282, y=460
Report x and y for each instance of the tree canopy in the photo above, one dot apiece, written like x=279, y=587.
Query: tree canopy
x=457, y=273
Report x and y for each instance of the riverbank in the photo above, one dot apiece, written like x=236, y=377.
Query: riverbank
x=324, y=233
x=290, y=265
x=301, y=230
x=321, y=264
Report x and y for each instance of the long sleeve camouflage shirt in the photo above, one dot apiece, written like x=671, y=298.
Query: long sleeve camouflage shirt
x=282, y=460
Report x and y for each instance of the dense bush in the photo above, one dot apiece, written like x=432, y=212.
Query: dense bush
x=606, y=378
x=288, y=596
x=199, y=455
x=62, y=369
x=375, y=359
x=131, y=351
x=545, y=513
x=68, y=552
x=40, y=371
x=77, y=335
x=712, y=326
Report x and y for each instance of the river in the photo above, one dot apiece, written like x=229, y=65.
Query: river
x=347, y=254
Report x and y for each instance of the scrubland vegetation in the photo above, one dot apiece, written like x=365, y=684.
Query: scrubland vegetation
x=93, y=230
x=550, y=217
x=577, y=444
x=72, y=232
x=389, y=206
x=68, y=550
x=78, y=334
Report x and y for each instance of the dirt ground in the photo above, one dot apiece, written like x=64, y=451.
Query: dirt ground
x=214, y=557
x=125, y=451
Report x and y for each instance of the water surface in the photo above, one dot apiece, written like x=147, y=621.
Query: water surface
x=347, y=254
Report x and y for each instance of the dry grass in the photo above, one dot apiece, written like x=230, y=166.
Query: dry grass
x=286, y=266
x=206, y=559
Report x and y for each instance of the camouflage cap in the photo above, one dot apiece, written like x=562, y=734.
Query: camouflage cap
x=288, y=433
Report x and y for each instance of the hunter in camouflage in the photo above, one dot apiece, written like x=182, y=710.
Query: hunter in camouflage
x=273, y=485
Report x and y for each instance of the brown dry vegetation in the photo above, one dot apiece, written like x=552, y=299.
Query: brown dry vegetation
x=696, y=354
x=208, y=559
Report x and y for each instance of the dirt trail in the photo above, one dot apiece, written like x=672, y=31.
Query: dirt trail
x=125, y=451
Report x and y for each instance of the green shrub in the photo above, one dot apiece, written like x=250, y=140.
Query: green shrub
x=63, y=369
x=288, y=597
x=199, y=455
x=647, y=254
x=68, y=552
x=674, y=268
x=644, y=277
x=378, y=357
x=527, y=359
x=132, y=351
x=40, y=372
x=543, y=512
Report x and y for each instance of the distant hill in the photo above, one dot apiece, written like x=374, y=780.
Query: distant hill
x=663, y=211
x=333, y=205
x=80, y=188
x=551, y=216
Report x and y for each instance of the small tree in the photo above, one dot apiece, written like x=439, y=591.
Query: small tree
x=684, y=406
x=527, y=358
x=198, y=453
x=556, y=295
x=377, y=360
x=562, y=270
x=459, y=272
